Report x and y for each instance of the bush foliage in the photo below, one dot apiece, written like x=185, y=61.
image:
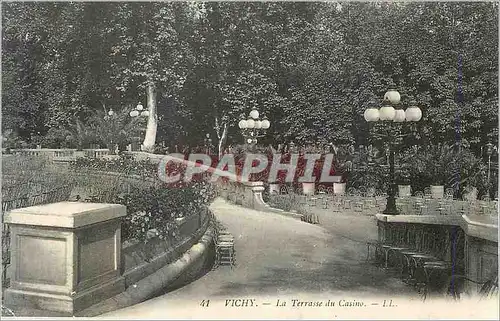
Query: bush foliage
x=151, y=204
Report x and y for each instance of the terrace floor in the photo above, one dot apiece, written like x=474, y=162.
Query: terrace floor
x=282, y=258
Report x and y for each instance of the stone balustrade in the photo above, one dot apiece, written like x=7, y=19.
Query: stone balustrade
x=249, y=194
x=480, y=242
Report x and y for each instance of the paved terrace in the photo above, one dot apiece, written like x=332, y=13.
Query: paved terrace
x=278, y=257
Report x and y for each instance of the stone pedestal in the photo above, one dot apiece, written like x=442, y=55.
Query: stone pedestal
x=253, y=197
x=65, y=256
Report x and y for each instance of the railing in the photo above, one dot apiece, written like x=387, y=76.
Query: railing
x=60, y=153
x=96, y=153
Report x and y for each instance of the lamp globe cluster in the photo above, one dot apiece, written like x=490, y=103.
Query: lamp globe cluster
x=253, y=121
x=139, y=110
x=388, y=112
x=253, y=127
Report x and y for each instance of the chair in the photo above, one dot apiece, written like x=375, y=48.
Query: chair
x=396, y=240
x=357, y=200
x=327, y=197
x=430, y=265
x=484, y=205
x=224, y=249
x=421, y=203
x=427, y=192
x=380, y=200
x=337, y=202
x=449, y=193
x=422, y=248
x=402, y=204
x=369, y=201
x=311, y=200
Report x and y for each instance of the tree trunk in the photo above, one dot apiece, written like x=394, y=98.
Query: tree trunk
x=222, y=140
x=150, y=137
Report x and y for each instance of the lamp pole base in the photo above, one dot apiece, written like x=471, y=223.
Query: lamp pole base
x=391, y=208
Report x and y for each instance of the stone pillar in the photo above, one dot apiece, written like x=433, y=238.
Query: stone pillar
x=65, y=256
x=253, y=193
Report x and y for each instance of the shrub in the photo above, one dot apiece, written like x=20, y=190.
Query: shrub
x=158, y=208
x=150, y=204
x=124, y=164
x=446, y=165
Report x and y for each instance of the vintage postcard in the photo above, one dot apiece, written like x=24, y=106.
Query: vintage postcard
x=249, y=160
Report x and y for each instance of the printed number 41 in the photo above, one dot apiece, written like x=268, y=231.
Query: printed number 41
x=205, y=303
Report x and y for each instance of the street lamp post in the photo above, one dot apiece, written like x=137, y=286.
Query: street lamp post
x=208, y=143
x=111, y=144
x=253, y=127
x=392, y=115
x=489, y=151
x=139, y=110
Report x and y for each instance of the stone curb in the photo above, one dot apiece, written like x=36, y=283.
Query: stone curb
x=147, y=287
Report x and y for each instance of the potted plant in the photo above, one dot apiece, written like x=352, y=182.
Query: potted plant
x=404, y=187
x=441, y=166
x=343, y=164
x=273, y=188
x=431, y=169
x=308, y=186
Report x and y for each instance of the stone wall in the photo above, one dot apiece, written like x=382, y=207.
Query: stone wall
x=140, y=260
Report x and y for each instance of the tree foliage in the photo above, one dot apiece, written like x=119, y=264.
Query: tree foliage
x=311, y=68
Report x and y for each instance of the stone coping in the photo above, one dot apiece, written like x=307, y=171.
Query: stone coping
x=65, y=214
x=483, y=227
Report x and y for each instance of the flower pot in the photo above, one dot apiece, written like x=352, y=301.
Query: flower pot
x=404, y=190
x=337, y=178
x=339, y=188
x=471, y=195
x=79, y=154
x=308, y=188
x=437, y=191
x=274, y=189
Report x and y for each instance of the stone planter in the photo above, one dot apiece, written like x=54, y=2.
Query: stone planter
x=437, y=191
x=339, y=188
x=274, y=188
x=404, y=190
x=308, y=188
